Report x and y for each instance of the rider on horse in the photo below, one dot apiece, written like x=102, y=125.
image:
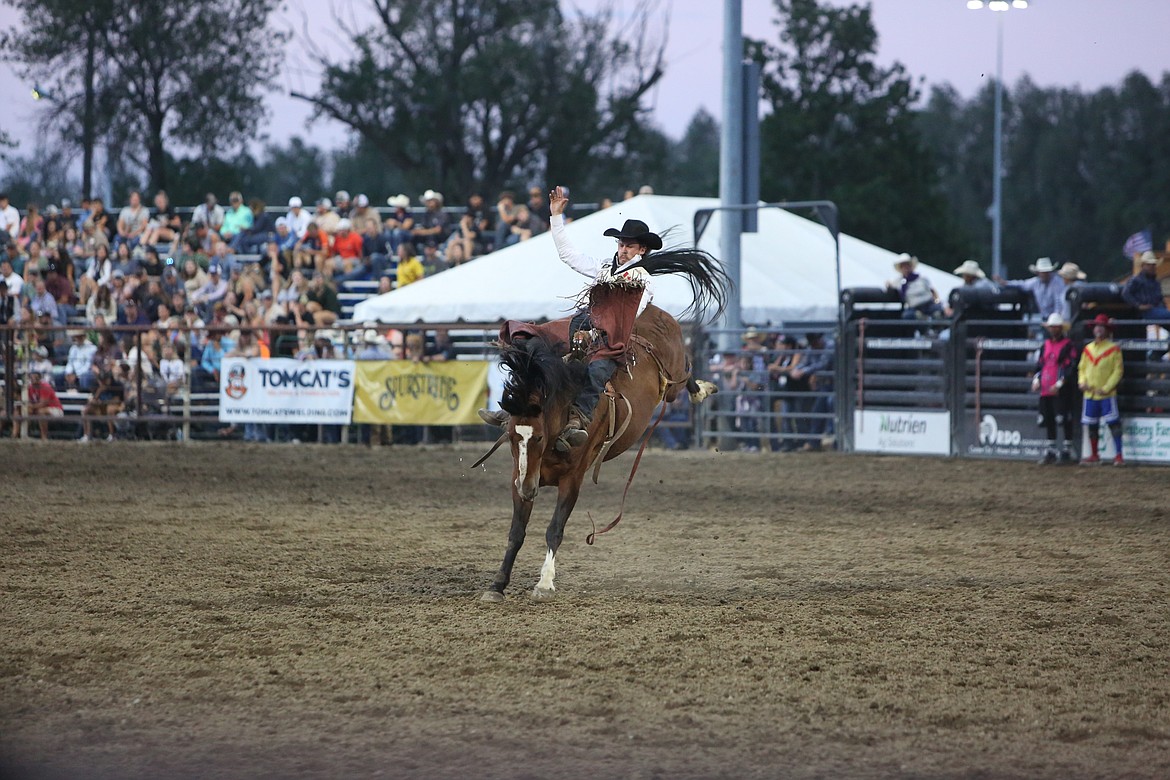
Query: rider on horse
x=619, y=292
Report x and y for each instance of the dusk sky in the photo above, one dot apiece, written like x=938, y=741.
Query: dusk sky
x=1083, y=43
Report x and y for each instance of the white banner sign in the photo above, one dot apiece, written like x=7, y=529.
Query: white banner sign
x=907, y=432
x=282, y=390
x=1144, y=438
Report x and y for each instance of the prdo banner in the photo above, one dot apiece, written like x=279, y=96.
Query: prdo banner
x=403, y=392
x=905, y=432
x=282, y=390
x=1011, y=434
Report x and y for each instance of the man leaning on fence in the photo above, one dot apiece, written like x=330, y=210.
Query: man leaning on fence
x=1144, y=292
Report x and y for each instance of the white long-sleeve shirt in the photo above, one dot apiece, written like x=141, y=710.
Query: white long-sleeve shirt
x=600, y=270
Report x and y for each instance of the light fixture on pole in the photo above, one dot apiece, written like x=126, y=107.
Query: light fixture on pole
x=997, y=151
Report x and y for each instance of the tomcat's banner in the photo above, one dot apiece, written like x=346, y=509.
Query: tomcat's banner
x=404, y=392
x=282, y=390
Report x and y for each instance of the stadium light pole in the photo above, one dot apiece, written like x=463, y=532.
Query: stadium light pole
x=1000, y=7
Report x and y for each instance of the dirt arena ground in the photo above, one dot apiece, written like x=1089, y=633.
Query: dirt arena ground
x=304, y=612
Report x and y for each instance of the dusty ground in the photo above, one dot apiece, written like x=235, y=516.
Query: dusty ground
x=246, y=612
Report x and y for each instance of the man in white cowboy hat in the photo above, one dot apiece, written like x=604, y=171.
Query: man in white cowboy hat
x=974, y=280
x=1055, y=380
x=919, y=299
x=1071, y=272
x=1144, y=292
x=433, y=224
x=1046, y=286
x=604, y=313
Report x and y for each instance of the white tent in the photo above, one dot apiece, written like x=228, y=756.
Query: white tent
x=787, y=272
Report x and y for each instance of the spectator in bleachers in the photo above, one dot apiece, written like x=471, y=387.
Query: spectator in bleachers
x=42, y=400
x=432, y=261
x=124, y=260
x=132, y=222
x=362, y=214
x=101, y=303
x=193, y=277
x=39, y=361
x=311, y=251
x=41, y=301
x=218, y=344
x=284, y=239
x=131, y=313
x=482, y=224
x=210, y=293
x=31, y=227
x=108, y=399
x=59, y=286
x=321, y=301
x=171, y=283
x=78, y=374
x=172, y=369
x=1046, y=286
x=1144, y=292
x=456, y=253
x=785, y=361
x=376, y=251
x=326, y=218
x=505, y=218
x=9, y=306
x=109, y=351
x=237, y=218
x=120, y=289
x=150, y=296
x=538, y=211
x=341, y=205
x=9, y=219
x=433, y=224
x=165, y=224
x=400, y=223
x=151, y=263
x=819, y=368
x=53, y=226
x=8, y=273
x=410, y=268
x=251, y=240
x=208, y=214
x=34, y=261
x=102, y=220
x=385, y=285
x=69, y=217
x=347, y=252
x=297, y=218
x=91, y=239
x=74, y=248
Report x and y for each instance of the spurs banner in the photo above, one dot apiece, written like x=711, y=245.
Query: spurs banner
x=281, y=390
x=404, y=392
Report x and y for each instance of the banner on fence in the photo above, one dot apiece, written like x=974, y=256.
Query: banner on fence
x=282, y=390
x=903, y=431
x=1145, y=439
x=404, y=392
x=1005, y=434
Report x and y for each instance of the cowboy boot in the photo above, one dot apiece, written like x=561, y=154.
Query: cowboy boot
x=575, y=432
x=498, y=418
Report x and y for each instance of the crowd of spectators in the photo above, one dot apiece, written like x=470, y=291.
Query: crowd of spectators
x=203, y=276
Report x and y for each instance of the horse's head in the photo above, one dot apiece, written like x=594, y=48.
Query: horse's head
x=537, y=393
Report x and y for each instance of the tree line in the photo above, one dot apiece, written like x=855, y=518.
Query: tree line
x=486, y=95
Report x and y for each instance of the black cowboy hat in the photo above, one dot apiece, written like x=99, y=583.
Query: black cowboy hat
x=636, y=230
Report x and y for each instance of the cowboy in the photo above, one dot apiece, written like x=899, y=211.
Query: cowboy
x=1098, y=375
x=919, y=299
x=1053, y=380
x=1144, y=292
x=1046, y=286
x=619, y=292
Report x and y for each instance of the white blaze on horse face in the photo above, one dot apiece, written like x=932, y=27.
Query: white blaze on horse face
x=525, y=434
x=547, y=572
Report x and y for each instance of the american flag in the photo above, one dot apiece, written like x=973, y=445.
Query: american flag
x=1141, y=241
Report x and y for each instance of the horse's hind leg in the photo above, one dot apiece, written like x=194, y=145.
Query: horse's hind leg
x=521, y=511
x=567, y=494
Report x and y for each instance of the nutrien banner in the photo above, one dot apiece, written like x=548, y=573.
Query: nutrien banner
x=904, y=432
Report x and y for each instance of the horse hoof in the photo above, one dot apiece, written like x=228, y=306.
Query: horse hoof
x=543, y=594
x=492, y=596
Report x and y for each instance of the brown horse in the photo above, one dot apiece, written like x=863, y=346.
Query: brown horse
x=538, y=392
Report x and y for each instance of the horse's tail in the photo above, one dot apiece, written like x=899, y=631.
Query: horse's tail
x=709, y=282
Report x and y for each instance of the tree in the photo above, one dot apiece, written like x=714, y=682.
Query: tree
x=188, y=74
x=842, y=128
x=474, y=94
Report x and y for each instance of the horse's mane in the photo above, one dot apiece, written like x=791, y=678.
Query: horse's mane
x=709, y=282
x=536, y=368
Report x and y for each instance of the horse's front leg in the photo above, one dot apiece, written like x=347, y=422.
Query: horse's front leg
x=521, y=511
x=567, y=494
